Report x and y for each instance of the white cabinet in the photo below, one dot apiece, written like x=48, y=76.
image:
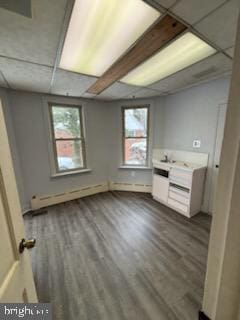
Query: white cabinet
x=160, y=188
x=179, y=188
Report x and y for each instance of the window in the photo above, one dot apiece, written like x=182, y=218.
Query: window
x=135, y=135
x=67, y=137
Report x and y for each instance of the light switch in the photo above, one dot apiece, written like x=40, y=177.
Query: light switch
x=196, y=143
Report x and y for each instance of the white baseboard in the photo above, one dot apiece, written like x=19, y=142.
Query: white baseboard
x=38, y=202
x=133, y=187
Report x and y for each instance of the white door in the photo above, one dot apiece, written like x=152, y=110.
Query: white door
x=218, y=147
x=16, y=278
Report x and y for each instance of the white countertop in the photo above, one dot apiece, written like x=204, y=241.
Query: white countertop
x=177, y=164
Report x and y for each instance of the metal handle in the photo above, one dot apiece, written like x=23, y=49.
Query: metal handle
x=28, y=244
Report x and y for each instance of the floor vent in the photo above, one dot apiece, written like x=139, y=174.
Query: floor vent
x=38, y=202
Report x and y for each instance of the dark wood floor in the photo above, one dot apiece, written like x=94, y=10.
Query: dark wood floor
x=119, y=256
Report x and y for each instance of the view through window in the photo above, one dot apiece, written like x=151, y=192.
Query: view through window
x=135, y=136
x=68, y=139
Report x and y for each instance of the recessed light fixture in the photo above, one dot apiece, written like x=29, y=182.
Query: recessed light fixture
x=100, y=31
x=183, y=52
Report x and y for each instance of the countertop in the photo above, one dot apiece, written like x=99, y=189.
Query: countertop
x=177, y=164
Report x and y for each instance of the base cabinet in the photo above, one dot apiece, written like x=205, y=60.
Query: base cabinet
x=179, y=189
x=160, y=188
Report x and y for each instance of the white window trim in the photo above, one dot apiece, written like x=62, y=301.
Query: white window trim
x=147, y=166
x=62, y=101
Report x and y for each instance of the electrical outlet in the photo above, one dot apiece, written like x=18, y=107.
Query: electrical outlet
x=132, y=173
x=196, y=143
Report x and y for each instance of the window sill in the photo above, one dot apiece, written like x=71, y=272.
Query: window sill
x=135, y=167
x=70, y=173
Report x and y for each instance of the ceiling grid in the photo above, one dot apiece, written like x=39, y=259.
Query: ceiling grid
x=29, y=60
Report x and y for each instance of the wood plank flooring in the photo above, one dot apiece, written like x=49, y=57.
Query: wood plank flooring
x=119, y=256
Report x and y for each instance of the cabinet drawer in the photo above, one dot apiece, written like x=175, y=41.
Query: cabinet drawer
x=178, y=197
x=182, y=174
x=181, y=177
x=178, y=206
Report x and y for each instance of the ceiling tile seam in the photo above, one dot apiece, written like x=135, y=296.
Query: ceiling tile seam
x=5, y=79
x=26, y=61
x=159, y=6
x=138, y=90
x=204, y=38
x=174, y=4
x=156, y=5
x=190, y=28
x=219, y=76
x=62, y=35
x=211, y=12
x=184, y=69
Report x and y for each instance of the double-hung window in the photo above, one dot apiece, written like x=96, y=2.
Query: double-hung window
x=67, y=137
x=135, y=135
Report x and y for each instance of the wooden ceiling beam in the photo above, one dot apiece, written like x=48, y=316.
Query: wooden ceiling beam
x=164, y=31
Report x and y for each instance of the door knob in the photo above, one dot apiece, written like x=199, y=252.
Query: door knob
x=217, y=166
x=28, y=244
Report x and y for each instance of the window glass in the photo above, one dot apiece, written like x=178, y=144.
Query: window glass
x=68, y=140
x=135, y=136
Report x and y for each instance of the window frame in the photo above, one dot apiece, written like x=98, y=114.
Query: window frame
x=147, y=137
x=53, y=139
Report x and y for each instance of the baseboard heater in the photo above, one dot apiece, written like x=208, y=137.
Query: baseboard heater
x=38, y=202
x=134, y=187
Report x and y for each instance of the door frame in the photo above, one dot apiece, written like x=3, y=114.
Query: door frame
x=212, y=190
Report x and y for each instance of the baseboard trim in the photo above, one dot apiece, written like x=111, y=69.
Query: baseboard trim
x=202, y=316
x=38, y=202
x=133, y=187
x=42, y=201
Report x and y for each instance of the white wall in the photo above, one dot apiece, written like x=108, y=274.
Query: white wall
x=175, y=121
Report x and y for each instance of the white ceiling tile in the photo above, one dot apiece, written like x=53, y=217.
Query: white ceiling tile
x=193, y=10
x=33, y=39
x=26, y=76
x=210, y=68
x=220, y=26
x=230, y=51
x=165, y=3
x=70, y=83
x=145, y=93
x=118, y=90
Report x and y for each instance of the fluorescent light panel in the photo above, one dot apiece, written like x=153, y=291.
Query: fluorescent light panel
x=100, y=31
x=183, y=52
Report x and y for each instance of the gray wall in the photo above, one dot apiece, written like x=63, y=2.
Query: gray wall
x=32, y=136
x=116, y=173
x=176, y=120
x=193, y=114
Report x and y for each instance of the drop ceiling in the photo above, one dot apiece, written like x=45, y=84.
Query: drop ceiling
x=30, y=56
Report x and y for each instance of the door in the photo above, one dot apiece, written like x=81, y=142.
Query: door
x=218, y=147
x=160, y=188
x=16, y=278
